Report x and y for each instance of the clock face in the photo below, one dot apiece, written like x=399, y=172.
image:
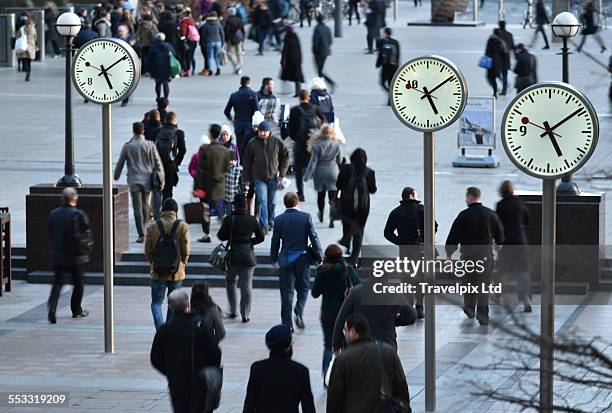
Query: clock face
x=549, y=130
x=105, y=70
x=428, y=93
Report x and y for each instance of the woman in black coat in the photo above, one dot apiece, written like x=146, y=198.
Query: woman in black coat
x=291, y=60
x=589, y=28
x=168, y=26
x=494, y=50
x=158, y=61
x=245, y=231
x=514, y=256
x=355, y=182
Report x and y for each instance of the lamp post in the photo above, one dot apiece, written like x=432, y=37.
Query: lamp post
x=565, y=25
x=68, y=25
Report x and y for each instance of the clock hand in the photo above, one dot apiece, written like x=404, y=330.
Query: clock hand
x=439, y=86
x=110, y=85
x=420, y=91
x=113, y=65
x=429, y=98
x=543, y=128
x=562, y=121
x=90, y=65
x=553, y=140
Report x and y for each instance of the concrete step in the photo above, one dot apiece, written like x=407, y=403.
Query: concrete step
x=193, y=258
x=193, y=268
x=606, y=273
x=604, y=285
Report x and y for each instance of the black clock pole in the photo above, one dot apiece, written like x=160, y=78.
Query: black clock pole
x=70, y=178
x=429, y=248
x=107, y=214
x=547, y=315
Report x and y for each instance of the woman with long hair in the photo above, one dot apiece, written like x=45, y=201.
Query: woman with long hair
x=324, y=166
x=29, y=32
x=333, y=281
x=355, y=182
x=245, y=232
x=204, y=308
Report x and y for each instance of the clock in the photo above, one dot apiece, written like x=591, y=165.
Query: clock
x=105, y=70
x=428, y=93
x=549, y=129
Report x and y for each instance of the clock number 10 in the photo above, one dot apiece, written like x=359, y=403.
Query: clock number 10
x=412, y=84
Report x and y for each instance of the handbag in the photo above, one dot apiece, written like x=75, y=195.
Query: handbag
x=210, y=376
x=334, y=210
x=313, y=255
x=21, y=43
x=485, y=62
x=220, y=255
x=175, y=65
x=194, y=212
x=222, y=57
x=388, y=403
x=329, y=371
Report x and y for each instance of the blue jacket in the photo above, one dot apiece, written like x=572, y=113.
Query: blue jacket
x=158, y=60
x=61, y=231
x=85, y=35
x=294, y=228
x=244, y=103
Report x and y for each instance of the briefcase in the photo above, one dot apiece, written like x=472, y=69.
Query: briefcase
x=194, y=212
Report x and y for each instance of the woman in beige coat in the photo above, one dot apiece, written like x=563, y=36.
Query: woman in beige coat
x=29, y=54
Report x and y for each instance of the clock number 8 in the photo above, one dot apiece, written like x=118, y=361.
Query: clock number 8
x=89, y=81
x=523, y=130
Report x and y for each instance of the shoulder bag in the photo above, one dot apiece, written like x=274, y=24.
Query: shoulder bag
x=211, y=377
x=220, y=256
x=388, y=403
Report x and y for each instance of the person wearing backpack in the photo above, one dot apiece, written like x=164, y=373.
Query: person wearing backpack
x=305, y=119
x=333, y=281
x=234, y=38
x=525, y=68
x=170, y=143
x=167, y=248
x=319, y=96
x=188, y=30
x=71, y=243
x=388, y=59
x=355, y=182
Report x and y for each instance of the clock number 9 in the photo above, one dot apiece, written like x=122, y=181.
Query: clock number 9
x=412, y=84
x=523, y=130
x=89, y=81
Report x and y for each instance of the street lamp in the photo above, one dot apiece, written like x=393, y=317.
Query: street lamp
x=565, y=25
x=68, y=25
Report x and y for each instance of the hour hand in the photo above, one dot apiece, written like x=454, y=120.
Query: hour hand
x=431, y=102
x=110, y=85
x=553, y=140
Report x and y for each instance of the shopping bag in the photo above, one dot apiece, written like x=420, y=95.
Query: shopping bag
x=194, y=212
x=175, y=65
x=21, y=44
x=485, y=62
x=329, y=370
x=338, y=132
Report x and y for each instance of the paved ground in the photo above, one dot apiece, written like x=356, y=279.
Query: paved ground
x=69, y=356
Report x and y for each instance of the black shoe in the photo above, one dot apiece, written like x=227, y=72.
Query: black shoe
x=299, y=322
x=245, y=320
x=218, y=72
x=344, y=243
x=82, y=314
x=503, y=93
x=546, y=47
x=468, y=312
x=27, y=77
x=124, y=103
x=301, y=197
x=483, y=321
x=331, y=224
x=420, y=313
x=231, y=316
x=205, y=238
x=320, y=215
x=51, y=318
x=603, y=49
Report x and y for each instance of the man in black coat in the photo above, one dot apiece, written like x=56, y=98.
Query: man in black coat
x=172, y=155
x=476, y=229
x=171, y=354
x=69, y=229
x=321, y=48
x=302, y=118
x=388, y=59
x=244, y=104
x=405, y=227
x=508, y=40
x=494, y=50
x=373, y=24
x=541, y=20
x=278, y=384
x=525, y=69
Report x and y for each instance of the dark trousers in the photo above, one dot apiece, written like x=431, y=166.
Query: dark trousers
x=167, y=192
x=158, y=88
x=386, y=75
x=61, y=274
x=300, y=157
x=478, y=303
x=331, y=195
x=504, y=78
x=54, y=42
x=295, y=276
x=372, y=38
x=241, y=143
x=207, y=204
x=492, y=81
x=26, y=65
x=328, y=332
x=320, y=62
x=353, y=7
x=305, y=14
x=539, y=29
x=352, y=230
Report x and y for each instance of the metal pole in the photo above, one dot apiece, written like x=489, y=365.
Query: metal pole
x=475, y=10
x=69, y=178
x=395, y=10
x=338, y=18
x=547, y=320
x=501, y=12
x=566, y=186
x=108, y=247
x=429, y=241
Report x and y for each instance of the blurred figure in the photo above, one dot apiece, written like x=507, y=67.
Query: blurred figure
x=589, y=28
x=354, y=7
x=204, y=309
x=181, y=347
x=373, y=23
x=51, y=35
x=321, y=48
x=158, y=64
x=211, y=33
x=514, y=257
x=71, y=242
x=319, y=96
x=525, y=69
x=291, y=60
x=508, y=40
x=262, y=21
x=306, y=7
x=28, y=31
x=234, y=39
x=145, y=36
x=388, y=60
x=541, y=20
x=190, y=35
x=495, y=50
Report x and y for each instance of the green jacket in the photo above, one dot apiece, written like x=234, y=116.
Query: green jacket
x=213, y=165
x=331, y=282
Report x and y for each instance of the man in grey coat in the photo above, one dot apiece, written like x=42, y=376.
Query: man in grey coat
x=321, y=48
x=144, y=170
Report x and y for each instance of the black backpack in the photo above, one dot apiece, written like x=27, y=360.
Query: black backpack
x=389, y=53
x=236, y=36
x=357, y=193
x=166, y=145
x=309, y=124
x=83, y=237
x=167, y=254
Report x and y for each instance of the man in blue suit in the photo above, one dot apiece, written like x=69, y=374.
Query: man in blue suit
x=294, y=228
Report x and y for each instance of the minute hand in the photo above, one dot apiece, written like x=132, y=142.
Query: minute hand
x=562, y=121
x=439, y=86
x=111, y=66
